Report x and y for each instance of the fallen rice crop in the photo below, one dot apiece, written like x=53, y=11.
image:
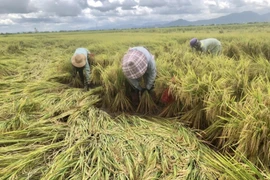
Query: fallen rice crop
x=217, y=127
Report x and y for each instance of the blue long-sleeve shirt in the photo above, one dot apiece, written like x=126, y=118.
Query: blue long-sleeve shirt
x=85, y=52
x=150, y=74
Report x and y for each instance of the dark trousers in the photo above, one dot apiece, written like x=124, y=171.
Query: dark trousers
x=135, y=96
x=80, y=71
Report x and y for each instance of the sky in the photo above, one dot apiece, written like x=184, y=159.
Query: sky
x=55, y=15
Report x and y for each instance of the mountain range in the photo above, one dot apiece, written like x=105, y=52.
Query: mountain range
x=243, y=17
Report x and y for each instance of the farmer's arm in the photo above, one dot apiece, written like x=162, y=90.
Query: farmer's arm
x=87, y=72
x=135, y=83
x=151, y=73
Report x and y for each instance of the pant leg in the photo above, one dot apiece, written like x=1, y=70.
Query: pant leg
x=81, y=75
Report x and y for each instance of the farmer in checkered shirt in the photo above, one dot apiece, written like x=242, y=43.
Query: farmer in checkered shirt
x=138, y=63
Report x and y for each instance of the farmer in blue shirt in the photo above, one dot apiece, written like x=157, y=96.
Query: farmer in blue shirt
x=210, y=45
x=139, y=63
x=80, y=65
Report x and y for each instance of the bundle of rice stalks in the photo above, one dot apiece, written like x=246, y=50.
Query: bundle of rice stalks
x=173, y=109
x=115, y=89
x=96, y=72
x=121, y=103
x=147, y=104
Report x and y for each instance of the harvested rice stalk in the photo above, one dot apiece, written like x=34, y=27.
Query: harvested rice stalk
x=172, y=110
x=147, y=105
x=121, y=103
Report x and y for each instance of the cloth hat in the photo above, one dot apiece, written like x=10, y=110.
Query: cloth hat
x=134, y=64
x=193, y=42
x=78, y=60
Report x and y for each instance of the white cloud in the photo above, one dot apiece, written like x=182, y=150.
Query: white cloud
x=143, y=10
x=224, y=5
x=210, y=2
x=69, y=14
x=94, y=3
x=6, y=22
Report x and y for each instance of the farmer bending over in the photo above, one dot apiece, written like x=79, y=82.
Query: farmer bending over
x=80, y=64
x=137, y=64
x=210, y=45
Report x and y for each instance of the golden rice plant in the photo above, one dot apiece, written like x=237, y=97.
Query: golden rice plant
x=62, y=72
x=24, y=150
x=232, y=51
x=115, y=90
x=96, y=72
x=245, y=128
x=50, y=130
x=8, y=66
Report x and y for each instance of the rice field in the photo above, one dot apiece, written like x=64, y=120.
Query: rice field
x=216, y=127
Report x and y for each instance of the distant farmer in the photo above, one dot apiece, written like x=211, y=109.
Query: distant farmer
x=137, y=64
x=210, y=45
x=80, y=63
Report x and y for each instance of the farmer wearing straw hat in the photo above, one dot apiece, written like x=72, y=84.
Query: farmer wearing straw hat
x=210, y=45
x=80, y=65
x=139, y=63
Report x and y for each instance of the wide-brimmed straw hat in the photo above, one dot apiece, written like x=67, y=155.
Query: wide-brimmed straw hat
x=78, y=60
x=134, y=64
